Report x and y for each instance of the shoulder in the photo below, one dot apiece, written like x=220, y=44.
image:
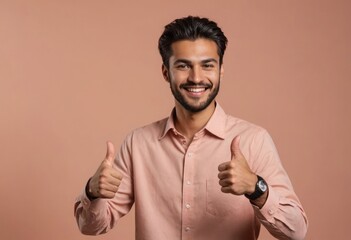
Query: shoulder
x=150, y=131
x=244, y=127
x=253, y=136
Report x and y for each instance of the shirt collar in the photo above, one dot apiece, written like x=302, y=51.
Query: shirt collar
x=215, y=126
x=169, y=125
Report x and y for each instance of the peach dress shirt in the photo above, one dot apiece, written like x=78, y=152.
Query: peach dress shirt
x=175, y=189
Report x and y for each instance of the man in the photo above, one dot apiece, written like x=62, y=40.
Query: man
x=198, y=174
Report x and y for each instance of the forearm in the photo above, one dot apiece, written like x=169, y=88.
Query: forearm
x=99, y=215
x=283, y=217
x=282, y=213
x=92, y=216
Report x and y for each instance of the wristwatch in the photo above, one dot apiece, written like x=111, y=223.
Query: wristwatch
x=260, y=189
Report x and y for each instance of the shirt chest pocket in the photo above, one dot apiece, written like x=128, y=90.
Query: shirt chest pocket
x=219, y=204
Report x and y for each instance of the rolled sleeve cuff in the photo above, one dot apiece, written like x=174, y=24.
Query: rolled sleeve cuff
x=269, y=208
x=93, y=206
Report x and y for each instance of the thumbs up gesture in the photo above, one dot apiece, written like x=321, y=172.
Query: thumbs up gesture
x=106, y=180
x=236, y=176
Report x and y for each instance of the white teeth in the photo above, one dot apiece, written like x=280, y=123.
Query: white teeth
x=196, y=90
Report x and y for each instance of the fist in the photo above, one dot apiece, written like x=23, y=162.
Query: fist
x=106, y=180
x=236, y=176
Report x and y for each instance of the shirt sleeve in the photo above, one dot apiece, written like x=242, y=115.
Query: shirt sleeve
x=282, y=214
x=100, y=215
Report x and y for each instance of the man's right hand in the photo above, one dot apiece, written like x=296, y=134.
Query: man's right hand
x=106, y=180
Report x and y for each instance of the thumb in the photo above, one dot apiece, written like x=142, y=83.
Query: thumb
x=110, y=154
x=235, y=148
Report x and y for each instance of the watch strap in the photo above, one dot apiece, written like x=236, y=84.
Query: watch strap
x=258, y=192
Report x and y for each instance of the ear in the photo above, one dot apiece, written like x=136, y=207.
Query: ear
x=221, y=71
x=165, y=73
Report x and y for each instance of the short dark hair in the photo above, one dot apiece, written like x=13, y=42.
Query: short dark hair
x=190, y=28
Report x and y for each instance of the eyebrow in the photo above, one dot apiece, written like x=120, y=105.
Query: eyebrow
x=181, y=60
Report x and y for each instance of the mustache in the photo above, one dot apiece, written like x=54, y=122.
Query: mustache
x=190, y=84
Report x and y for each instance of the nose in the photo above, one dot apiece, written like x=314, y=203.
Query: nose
x=196, y=74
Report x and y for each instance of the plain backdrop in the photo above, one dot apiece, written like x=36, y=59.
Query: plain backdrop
x=75, y=73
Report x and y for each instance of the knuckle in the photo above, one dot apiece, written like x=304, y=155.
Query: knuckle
x=101, y=193
x=104, y=172
x=101, y=181
x=233, y=180
x=101, y=186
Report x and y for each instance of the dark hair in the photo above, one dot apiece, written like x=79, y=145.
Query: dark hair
x=190, y=28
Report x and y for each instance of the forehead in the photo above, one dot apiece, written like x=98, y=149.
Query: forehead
x=198, y=49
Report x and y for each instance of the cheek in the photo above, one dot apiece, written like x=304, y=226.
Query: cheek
x=213, y=76
x=179, y=76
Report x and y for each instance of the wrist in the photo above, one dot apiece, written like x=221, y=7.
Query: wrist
x=260, y=189
x=252, y=186
x=89, y=192
x=260, y=202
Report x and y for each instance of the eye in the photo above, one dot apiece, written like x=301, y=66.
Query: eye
x=208, y=66
x=182, y=66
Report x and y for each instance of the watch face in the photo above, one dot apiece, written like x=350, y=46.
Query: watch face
x=262, y=186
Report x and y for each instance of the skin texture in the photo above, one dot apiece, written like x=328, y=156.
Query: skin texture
x=194, y=76
x=235, y=176
x=106, y=180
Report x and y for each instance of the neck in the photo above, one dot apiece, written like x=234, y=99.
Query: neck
x=188, y=123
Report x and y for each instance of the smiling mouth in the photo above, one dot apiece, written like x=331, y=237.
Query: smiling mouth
x=195, y=89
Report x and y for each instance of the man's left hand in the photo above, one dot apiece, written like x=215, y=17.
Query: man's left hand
x=236, y=176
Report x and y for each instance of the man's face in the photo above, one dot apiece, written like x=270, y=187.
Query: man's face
x=194, y=73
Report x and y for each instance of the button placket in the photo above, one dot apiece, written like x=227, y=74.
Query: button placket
x=188, y=192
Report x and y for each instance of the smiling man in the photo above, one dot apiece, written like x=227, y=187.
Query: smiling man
x=199, y=173
x=192, y=63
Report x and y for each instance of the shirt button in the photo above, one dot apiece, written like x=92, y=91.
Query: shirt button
x=190, y=154
x=187, y=205
x=188, y=182
x=187, y=229
x=270, y=211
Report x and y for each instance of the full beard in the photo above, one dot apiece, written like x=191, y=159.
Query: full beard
x=192, y=107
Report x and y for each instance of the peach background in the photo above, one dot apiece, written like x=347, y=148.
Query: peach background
x=75, y=73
